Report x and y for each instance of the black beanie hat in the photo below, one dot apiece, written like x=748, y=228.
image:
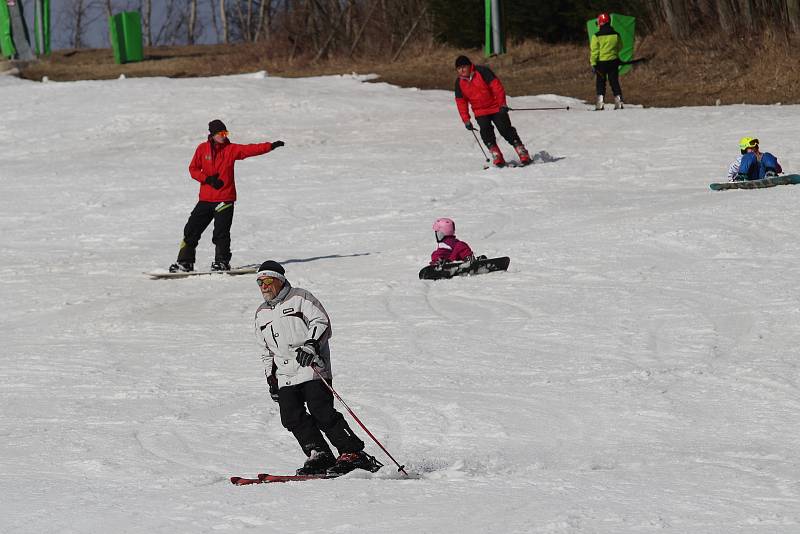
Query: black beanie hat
x=272, y=268
x=462, y=61
x=216, y=126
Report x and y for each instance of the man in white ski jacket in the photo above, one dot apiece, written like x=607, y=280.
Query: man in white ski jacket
x=294, y=328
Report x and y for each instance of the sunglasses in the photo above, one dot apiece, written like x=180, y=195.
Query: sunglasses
x=753, y=143
x=267, y=280
x=223, y=133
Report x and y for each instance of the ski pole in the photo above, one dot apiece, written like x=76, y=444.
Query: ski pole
x=479, y=145
x=400, y=468
x=536, y=109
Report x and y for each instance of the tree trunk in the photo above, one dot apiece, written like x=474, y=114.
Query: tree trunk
x=224, y=19
x=793, y=14
x=192, y=21
x=675, y=14
x=148, y=34
x=263, y=20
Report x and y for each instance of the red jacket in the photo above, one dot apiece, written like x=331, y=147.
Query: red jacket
x=482, y=90
x=451, y=249
x=211, y=158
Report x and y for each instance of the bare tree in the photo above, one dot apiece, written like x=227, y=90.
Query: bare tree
x=147, y=32
x=192, y=21
x=224, y=19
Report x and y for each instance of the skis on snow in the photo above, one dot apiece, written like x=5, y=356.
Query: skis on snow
x=266, y=478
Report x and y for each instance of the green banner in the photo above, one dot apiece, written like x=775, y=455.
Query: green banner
x=625, y=26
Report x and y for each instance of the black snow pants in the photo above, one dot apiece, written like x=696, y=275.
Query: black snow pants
x=306, y=428
x=607, y=70
x=503, y=123
x=202, y=215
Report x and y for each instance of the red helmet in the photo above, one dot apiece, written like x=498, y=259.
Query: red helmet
x=603, y=18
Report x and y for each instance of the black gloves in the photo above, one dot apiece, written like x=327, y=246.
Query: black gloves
x=594, y=70
x=504, y=109
x=468, y=125
x=277, y=144
x=307, y=353
x=214, y=181
x=272, y=382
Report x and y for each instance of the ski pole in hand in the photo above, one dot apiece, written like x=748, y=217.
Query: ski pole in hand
x=479, y=145
x=400, y=468
x=536, y=109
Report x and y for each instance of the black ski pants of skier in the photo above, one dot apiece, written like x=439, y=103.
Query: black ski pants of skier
x=306, y=426
x=503, y=123
x=202, y=215
x=607, y=70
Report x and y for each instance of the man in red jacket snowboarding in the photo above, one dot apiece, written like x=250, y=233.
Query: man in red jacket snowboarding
x=212, y=166
x=477, y=86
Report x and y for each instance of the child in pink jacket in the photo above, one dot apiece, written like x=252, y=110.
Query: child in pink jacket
x=449, y=249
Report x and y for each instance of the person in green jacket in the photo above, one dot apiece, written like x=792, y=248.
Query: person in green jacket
x=604, y=57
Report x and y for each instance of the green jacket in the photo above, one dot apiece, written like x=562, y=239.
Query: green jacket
x=604, y=45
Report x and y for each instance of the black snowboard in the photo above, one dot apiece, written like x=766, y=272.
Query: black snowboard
x=479, y=266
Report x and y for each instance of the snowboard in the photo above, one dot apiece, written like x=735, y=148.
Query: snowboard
x=244, y=269
x=479, y=266
x=787, y=179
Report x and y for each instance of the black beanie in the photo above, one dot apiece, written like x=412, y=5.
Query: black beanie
x=462, y=61
x=216, y=126
x=270, y=266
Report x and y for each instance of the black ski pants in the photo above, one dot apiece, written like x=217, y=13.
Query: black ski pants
x=503, y=123
x=607, y=70
x=306, y=426
x=202, y=215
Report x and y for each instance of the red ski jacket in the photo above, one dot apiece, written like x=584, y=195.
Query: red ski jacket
x=211, y=158
x=482, y=90
x=451, y=249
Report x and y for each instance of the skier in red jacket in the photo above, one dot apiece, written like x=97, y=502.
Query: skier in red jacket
x=212, y=166
x=477, y=86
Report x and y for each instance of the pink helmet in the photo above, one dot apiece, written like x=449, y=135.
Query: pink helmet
x=603, y=18
x=445, y=226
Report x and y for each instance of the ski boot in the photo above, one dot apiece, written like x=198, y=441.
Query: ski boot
x=497, y=157
x=618, y=102
x=220, y=266
x=522, y=152
x=354, y=460
x=598, y=105
x=318, y=463
x=181, y=267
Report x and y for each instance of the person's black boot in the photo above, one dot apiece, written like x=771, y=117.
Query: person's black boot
x=318, y=463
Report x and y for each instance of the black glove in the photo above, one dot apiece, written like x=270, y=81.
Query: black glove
x=504, y=109
x=214, y=181
x=277, y=144
x=594, y=70
x=272, y=382
x=307, y=353
x=468, y=125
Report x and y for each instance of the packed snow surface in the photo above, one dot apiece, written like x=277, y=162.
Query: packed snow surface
x=635, y=370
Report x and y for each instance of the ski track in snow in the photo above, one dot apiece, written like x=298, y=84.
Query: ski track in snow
x=635, y=370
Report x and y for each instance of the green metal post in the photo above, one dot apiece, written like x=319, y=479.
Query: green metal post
x=7, y=47
x=487, y=48
x=42, y=27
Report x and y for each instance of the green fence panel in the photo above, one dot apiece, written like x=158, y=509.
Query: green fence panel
x=7, y=48
x=125, y=30
x=625, y=26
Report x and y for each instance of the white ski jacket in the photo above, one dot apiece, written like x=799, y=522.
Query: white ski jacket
x=286, y=322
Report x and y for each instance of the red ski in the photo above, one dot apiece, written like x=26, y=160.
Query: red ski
x=266, y=478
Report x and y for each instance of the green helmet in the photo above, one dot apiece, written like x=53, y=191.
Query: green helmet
x=747, y=142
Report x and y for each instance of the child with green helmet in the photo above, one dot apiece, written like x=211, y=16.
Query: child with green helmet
x=752, y=164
